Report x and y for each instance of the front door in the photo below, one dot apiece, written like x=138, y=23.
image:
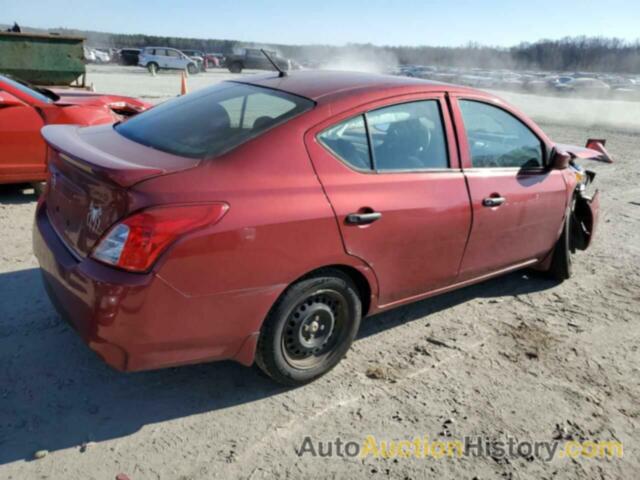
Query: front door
x=391, y=174
x=518, y=203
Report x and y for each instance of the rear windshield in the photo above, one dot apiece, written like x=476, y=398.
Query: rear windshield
x=212, y=121
x=30, y=90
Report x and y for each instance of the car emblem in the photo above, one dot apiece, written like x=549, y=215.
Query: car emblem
x=94, y=217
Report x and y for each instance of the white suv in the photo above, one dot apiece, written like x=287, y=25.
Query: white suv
x=156, y=58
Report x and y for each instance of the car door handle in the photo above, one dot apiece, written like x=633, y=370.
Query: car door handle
x=363, y=218
x=493, y=201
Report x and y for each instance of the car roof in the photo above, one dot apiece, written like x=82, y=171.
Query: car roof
x=325, y=85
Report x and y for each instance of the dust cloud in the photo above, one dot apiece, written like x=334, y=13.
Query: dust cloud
x=361, y=59
x=572, y=110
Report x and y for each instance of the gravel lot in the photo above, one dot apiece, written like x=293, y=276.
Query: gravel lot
x=517, y=356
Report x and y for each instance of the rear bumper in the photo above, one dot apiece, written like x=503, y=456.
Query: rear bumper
x=26, y=177
x=139, y=322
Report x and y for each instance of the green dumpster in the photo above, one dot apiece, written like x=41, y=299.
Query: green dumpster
x=42, y=59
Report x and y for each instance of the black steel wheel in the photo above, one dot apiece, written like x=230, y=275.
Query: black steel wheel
x=192, y=69
x=235, y=67
x=561, y=265
x=310, y=328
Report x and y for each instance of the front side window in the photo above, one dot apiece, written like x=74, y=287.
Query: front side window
x=408, y=136
x=498, y=139
x=214, y=120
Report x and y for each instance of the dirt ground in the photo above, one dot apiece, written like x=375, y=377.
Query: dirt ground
x=518, y=356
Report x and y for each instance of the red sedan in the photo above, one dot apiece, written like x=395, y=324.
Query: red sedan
x=261, y=219
x=25, y=109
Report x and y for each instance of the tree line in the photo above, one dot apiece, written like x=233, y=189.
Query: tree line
x=591, y=54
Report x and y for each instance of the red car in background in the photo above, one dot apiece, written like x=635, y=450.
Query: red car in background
x=25, y=109
x=261, y=219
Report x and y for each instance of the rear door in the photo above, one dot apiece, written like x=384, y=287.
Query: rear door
x=392, y=175
x=518, y=203
x=160, y=57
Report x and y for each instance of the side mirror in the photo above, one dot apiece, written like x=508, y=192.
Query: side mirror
x=560, y=160
x=8, y=100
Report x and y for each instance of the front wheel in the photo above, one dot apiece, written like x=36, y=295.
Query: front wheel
x=153, y=68
x=310, y=328
x=192, y=69
x=561, y=267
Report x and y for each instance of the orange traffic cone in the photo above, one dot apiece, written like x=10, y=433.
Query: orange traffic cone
x=183, y=85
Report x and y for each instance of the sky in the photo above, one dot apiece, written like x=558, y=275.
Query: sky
x=337, y=22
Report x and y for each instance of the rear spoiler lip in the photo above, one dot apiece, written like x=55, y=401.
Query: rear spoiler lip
x=594, y=150
x=65, y=140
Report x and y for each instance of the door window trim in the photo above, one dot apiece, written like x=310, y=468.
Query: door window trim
x=457, y=113
x=443, y=109
x=333, y=153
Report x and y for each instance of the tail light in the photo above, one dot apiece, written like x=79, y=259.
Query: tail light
x=135, y=243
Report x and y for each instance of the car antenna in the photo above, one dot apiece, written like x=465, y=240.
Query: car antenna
x=281, y=73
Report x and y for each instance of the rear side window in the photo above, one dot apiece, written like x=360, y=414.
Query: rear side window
x=498, y=139
x=408, y=136
x=404, y=137
x=348, y=141
x=214, y=120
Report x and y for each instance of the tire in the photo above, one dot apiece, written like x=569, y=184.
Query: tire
x=192, y=69
x=310, y=328
x=39, y=188
x=153, y=68
x=235, y=67
x=561, y=268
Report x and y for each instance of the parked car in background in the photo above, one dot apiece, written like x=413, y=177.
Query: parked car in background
x=89, y=54
x=128, y=56
x=560, y=82
x=25, y=109
x=589, y=85
x=215, y=60
x=102, y=56
x=261, y=219
x=164, y=58
x=198, y=56
x=253, y=58
x=94, y=55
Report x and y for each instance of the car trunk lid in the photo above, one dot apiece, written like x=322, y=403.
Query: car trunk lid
x=594, y=150
x=92, y=171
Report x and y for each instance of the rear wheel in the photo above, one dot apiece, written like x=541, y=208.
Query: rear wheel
x=39, y=187
x=235, y=67
x=310, y=328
